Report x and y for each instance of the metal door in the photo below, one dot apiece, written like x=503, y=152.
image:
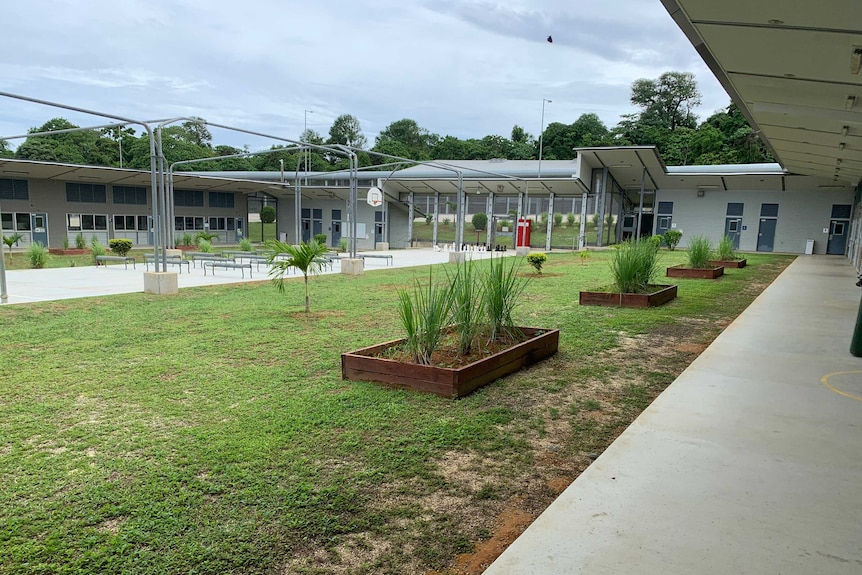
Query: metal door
x=766, y=234
x=379, y=227
x=733, y=229
x=664, y=217
x=306, y=224
x=336, y=228
x=39, y=227
x=837, y=243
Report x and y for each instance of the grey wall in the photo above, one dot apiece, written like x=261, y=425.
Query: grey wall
x=801, y=215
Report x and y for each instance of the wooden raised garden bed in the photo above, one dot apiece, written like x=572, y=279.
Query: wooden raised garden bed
x=695, y=273
x=368, y=364
x=68, y=251
x=729, y=263
x=661, y=295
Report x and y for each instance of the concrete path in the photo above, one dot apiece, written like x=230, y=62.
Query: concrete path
x=750, y=462
x=28, y=286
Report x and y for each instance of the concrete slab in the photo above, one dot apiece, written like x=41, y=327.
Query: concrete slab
x=747, y=463
x=28, y=286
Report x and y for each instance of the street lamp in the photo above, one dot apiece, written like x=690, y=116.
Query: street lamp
x=305, y=134
x=541, y=134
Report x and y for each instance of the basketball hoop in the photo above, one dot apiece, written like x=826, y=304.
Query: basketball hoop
x=375, y=197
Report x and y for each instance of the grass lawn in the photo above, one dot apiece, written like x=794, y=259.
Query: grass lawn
x=210, y=432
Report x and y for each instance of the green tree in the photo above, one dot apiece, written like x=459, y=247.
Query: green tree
x=307, y=257
x=668, y=101
x=84, y=147
x=267, y=214
x=5, y=150
x=415, y=142
x=480, y=224
x=347, y=131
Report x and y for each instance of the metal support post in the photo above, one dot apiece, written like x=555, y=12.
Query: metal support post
x=550, y=221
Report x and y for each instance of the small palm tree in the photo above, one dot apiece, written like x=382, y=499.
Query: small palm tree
x=307, y=257
x=10, y=241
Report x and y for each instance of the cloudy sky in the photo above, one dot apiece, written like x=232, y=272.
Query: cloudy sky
x=466, y=68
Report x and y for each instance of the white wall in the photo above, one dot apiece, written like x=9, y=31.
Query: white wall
x=801, y=215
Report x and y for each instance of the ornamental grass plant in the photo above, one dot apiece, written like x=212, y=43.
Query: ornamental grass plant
x=699, y=252
x=425, y=312
x=634, y=266
x=725, y=250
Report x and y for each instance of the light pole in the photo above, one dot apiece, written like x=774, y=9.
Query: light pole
x=305, y=134
x=541, y=138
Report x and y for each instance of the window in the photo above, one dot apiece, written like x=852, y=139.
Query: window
x=22, y=222
x=143, y=223
x=768, y=210
x=78, y=222
x=6, y=220
x=221, y=200
x=188, y=223
x=130, y=195
x=841, y=211
x=86, y=193
x=665, y=207
x=190, y=198
x=733, y=226
x=664, y=223
x=125, y=223
x=838, y=228
x=735, y=208
x=14, y=190
x=217, y=224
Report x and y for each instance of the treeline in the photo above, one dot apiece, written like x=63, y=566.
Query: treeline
x=665, y=119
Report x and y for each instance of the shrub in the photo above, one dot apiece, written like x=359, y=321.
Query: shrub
x=120, y=246
x=245, y=245
x=502, y=288
x=96, y=249
x=585, y=255
x=699, y=252
x=480, y=222
x=342, y=244
x=80, y=242
x=467, y=298
x=725, y=249
x=543, y=218
x=428, y=219
x=657, y=240
x=206, y=236
x=634, y=265
x=65, y=243
x=320, y=238
x=37, y=253
x=187, y=240
x=424, y=313
x=558, y=219
x=446, y=221
x=671, y=238
x=571, y=219
x=504, y=224
x=594, y=219
x=204, y=246
x=537, y=260
x=267, y=214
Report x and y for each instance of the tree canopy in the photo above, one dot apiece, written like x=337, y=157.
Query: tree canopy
x=666, y=119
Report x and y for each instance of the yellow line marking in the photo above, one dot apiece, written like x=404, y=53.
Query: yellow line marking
x=825, y=381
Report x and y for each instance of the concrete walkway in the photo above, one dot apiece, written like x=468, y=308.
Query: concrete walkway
x=28, y=286
x=750, y=462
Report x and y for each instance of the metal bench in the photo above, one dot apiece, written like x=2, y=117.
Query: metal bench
x=207, y=257
x=251, y=258
x=388, y=258
x=124, y=259
x=172, y=260
x=226, y=264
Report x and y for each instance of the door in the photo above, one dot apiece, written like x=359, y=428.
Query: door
x=664, y=217
x=766, y=234
x=317, y=221
x=837, y=243
x=306, y=224
x=733, y=229
x=379, y=227
x=336, y=228
x=39, y=225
